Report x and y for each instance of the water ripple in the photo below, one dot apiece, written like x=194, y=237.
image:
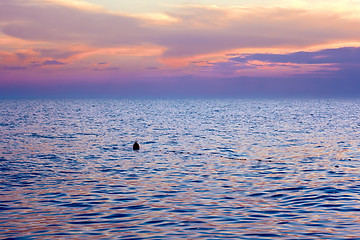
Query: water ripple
x=207, y=169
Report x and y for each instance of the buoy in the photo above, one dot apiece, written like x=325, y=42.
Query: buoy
x=136, y=146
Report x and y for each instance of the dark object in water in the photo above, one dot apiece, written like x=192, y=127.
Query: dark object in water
x=136, y=146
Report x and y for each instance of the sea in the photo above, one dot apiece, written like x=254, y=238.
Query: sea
x=206, y=169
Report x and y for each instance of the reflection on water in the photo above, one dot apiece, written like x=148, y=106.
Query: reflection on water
x=210, y=169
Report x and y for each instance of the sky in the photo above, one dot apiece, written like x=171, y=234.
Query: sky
x=161, y=48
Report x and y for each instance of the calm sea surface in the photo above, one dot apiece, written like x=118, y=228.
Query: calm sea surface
x=206, y=169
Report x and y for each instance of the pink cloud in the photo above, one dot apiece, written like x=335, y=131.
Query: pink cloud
x=52, y=63
x=197, y=31
x=64, y=24
x=59, y=45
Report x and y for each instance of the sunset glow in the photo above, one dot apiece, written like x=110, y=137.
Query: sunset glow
x=108, y=45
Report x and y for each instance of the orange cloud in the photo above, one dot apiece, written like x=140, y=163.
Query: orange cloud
x=195, y=40
x=188, y=31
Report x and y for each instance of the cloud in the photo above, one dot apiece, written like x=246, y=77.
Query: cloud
x=13, y=68
x=55, y=53
x=47, y=21
x=107, y=69
x=332, y=63
x=327, y=63
x=152, y=68
x=198, y=30
x=52, y=63
x=337, y=56
x=61, y=43
x=214, y=30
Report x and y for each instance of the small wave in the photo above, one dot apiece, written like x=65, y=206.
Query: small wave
x=37, y=135
x=76, y=205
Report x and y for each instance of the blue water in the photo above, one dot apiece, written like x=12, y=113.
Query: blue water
x=206, y=169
